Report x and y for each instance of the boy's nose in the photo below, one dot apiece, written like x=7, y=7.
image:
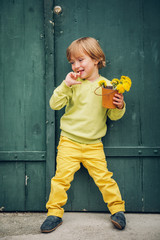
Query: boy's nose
x=77, y=65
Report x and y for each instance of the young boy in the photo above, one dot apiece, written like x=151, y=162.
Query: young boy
x=82, y=127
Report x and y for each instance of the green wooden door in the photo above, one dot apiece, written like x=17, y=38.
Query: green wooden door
x=26, y=56
x=129, y=33
x=33, y=42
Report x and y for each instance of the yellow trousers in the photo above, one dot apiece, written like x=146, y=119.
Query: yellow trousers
x=70, y=155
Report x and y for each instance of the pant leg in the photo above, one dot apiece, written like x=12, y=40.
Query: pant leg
x=94, y=160
x=68, y=162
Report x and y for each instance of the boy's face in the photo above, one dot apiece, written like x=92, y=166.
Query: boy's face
x=85, y=65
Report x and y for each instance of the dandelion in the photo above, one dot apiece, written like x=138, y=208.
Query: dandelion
x=126, y=86
x=125, y=79
x=102, y=83
x=120, y=88
x=121, y=85
x=115, y=81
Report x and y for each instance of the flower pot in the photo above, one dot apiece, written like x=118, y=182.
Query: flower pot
x=107, y=98
x=107, y=95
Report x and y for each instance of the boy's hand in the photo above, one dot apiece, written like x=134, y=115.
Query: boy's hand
x=71, y=79
x=118, y=100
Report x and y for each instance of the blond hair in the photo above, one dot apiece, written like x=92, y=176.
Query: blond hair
x=89, y=46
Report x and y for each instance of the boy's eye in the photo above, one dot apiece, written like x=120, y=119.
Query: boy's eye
x=81, y=59
x=71, y=63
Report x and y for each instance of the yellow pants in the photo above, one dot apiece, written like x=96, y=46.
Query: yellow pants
x=70, y=155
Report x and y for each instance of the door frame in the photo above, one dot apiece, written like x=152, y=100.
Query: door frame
x=49, y=76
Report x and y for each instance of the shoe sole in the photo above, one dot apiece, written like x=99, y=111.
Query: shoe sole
x=116, y=224
x=48, y=231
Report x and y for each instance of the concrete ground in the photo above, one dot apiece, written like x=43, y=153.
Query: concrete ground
x=79, y=226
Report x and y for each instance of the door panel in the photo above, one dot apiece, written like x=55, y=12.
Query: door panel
x=151, y=186
x=22, y=76
x=150, y=111
x=35, y=186
x=12, y=197
x=22, y=111
x=129, y=34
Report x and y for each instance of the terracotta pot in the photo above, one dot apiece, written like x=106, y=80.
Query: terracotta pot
x=107, y=98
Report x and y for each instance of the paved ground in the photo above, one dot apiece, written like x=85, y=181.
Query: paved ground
x=79, y=226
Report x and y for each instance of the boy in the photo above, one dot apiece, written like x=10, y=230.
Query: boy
x=82, y=127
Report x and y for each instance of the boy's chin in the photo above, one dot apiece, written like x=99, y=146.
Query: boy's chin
x=83, y=77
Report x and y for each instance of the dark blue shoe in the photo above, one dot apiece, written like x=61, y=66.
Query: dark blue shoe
x=119, y=221
x=50, y=224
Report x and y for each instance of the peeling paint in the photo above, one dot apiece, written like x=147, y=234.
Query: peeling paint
x=1, y=209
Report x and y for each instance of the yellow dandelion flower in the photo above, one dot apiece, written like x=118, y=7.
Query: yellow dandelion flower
x=126, y=86
x=123, y=84
x=115, y=81
x=102, y=83
x=126, y=79
x=120, y=88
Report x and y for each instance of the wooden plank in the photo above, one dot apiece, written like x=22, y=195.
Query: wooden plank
x=110, y=152
x=123, y=56
x=150, y=84
x=22, y=92
x=35, y=187
x=34, y=82
x=12, y=186
x=50, y=84
x=151, y=185
x=84, y=195
x=22, y=156
x=128, y=174
x=132, y=151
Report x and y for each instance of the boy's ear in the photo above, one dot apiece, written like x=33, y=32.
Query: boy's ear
x=96, y=61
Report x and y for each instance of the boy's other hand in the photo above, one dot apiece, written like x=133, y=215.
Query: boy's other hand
x=71, y=79
x=118, y=100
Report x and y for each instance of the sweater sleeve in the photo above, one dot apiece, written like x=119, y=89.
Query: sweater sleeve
x=60, y=96
x=116, y=114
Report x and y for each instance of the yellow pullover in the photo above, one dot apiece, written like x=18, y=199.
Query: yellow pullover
x=84, y=120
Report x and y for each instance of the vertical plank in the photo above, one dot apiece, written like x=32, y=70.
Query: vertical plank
x=77, y=199
x=150, y=111
x=12, y=184
x=84, y=195
x=12, y=91
x=35, y=187
x=151, y=184
x=50, y=83
x=34, y=78
x=22, y=91
x=122, y=43
x=128, y=174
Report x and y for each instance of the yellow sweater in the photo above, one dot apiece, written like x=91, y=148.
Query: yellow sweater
x=84, y=120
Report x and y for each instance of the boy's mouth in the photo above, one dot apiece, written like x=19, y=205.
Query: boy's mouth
x=80, y=71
